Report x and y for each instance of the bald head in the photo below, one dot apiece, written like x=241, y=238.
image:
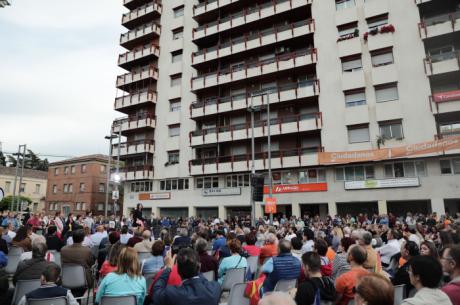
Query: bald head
x=146, y=234
x=277, y=298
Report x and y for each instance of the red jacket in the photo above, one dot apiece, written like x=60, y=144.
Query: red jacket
x=453, y=291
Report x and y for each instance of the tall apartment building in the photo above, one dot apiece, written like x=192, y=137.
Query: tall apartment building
x=364, y=105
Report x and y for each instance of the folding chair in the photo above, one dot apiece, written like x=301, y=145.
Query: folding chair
x=14, y=250
x=144, y=255
x=285, y=285
x=399, y=294
x=237, y=295
x=74, y=277
x=13, y=261
x=253, y=263
x=117, y=300
x=48, y=301
x=23, y=287
x=210, y=275
x=233, y=276
x=149, y=278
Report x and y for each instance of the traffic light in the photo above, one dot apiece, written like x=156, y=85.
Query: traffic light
x=257, y=183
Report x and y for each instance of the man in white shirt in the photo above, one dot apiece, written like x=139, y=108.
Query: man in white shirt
x=308, y=237
x=98, y=236
x=125, y=236
x=391, y=248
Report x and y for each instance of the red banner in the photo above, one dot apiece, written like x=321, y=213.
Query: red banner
x=446, y=96
x=297, y=188
x=270, y=205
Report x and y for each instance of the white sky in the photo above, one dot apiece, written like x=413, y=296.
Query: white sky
x=58, y=65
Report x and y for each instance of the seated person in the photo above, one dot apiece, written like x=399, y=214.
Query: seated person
x=235, y=260
x=32, y=269
x=154, y=263
x=110, y=265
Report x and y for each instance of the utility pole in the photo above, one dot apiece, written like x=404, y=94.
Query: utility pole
x=20, y=178
x=14, y=206
x=108, y=172
x=253, y=167
x=118, y=180
x=270, y=178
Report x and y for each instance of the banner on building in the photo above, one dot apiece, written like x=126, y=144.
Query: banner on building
x=221, y=191
x=154, y=196
x=382, y=183
x=296, y=188
x=424, y=148
x=446, y=96
x=270, y=205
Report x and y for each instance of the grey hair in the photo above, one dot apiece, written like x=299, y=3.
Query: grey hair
x=277, y=298
x=366, y=237
x=39, y=250
x=201, y=245
x=271, y=238
x=183, y=232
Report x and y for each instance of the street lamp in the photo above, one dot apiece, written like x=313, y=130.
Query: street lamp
x=108, y=172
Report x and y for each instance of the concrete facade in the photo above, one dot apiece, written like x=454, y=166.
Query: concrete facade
x=331, y=88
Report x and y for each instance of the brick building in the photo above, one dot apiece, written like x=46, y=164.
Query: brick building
x=78, y=184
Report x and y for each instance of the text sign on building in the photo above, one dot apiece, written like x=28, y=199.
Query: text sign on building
x=115, y=195
x=270, y=205
x=383, y=183
x=446, y=96
x=297, y=188
x=154, y=196
x=221, y=191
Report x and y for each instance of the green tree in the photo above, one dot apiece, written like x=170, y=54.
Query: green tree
x=6, y=202
x=31, y=161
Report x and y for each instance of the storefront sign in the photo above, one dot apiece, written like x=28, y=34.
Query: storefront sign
x=446, y=96
x=382, y=183
x=270, y=205
x=297, y=188
x=154, y=196
x=221, y=191
x=344, y=157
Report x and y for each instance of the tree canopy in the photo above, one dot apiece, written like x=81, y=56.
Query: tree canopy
x=32, y=161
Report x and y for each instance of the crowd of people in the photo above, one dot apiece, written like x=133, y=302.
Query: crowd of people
x=336, y=260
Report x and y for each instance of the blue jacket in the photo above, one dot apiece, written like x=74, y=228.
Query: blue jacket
x=285, y=267
x=194, y=291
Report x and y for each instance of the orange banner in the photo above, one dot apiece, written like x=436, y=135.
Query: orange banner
x=296, y=188
x=270, y=205
x=341, y=157
x=437, y=146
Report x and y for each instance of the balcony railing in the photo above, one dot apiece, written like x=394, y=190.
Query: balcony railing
x=257, y=10
x=209, y=5
x=138, y=53
x=141, y=120
x=439, y=58
x=435, y=20
x=260, y=35
x=144, y=73
x=133, y=147
x=150, y=28
x=142, y=11
x=136, y=172
x=135, y=99
x=255, y=67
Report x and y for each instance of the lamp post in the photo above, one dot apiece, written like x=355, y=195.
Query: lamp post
x=109, y=170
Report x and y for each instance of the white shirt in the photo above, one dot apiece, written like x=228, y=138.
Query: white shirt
x=387, y=251
x=97, y=237
x=124, y=238
x=290, y=236
x=11, y=234
x=307, y=247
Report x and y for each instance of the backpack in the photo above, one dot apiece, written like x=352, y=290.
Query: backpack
x=327, y=283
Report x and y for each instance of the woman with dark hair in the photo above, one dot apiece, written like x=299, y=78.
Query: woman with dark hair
x=137, y=216
x=374, y=289
x=208, y=262
x=110, y=265
x=425, y=274
x=428, y=248
x=235, y=260
x=154, y=263
x=22, y=239
x=251, y=247
x=340, y=264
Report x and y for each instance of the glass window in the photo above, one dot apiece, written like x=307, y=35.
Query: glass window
x=186, y=184
x=409, y=169
x=351, y=64
x=355, y=98
x=101, y=187
x=174, y=130
x=359, y=173
x=66, y=188
x=388, y=171
x=176, y=56
x=178, y=11
x=174, y=184
x=178, y=33
x=56, y=171
x=382, y=57
x=180, y=184
x=445, y=167
x=82, y=187
x=391, y=130
x=199, y=183
x=339, y=174
x=173, y=157
x=358, y=134
x=162, y=185
x=54, y=189
x=347, y=29
x=66, y=170
x=321, y=175
x=386, y=93
x=398, y=170
x=37, y=188
x=103, y=168
x=349, y=173
x=83, y=168
x=420, y=168
x=7, y=186
x=72, y=169
x=168, y=185
x=343, y=4
x=370, y=172
x=176, y=80
x=175, y=105
x=375, y=22
x=456, y=165
x=70, y=188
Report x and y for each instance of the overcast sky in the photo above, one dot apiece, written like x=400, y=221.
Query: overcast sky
x=58, y=65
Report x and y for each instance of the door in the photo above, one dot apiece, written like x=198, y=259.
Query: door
x=66, y=210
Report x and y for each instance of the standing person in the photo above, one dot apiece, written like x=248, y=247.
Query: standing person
x=374, y=289
x=451, y=265
x=58, y=223
x=307, y=290
x=125, y=235
x=10, y=219
x=137, y=216
x=346, y=282
x=89, y=221
x=308, y=237
x=425, y=274
x=219, y=242
x=126, y=280
x=340, y=264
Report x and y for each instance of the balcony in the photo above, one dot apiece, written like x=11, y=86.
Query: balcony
x=444, y=102
x=126, y=124
x=132, y=4
x=439, y=25
x=139, y=172
x=141, y=14
x=141, y=34
x=278, y=126
x=135, y=99
x=210, y=5
x=246, y=16
x=241, y=163
x=442, y=63
x=138, y=56
x=146, y=73
x=272, y=65
x=278, y=94
x=255, y=40
x=134, y=147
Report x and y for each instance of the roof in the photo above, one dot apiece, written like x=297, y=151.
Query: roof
x=87, y=158
x=29, y=173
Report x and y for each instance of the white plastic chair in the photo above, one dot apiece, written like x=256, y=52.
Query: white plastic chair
x=74, y=277
x=48, y=301
x=399, y=294
x=285, y=285
x=236, y=296
x=233, y=276
x=117, y=300
x=253, y=263
x=210, y=275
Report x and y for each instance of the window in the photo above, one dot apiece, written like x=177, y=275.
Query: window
x=66, y=170
x=375, y=22
x=174, y=184
x=347, y=29
x=382, y=57
x=100, y=207
x=450, y=129
x=82, y=187
x=358, y=133
x=355, y=97
x=352, y=63
x=83, y=168
x=174, y=130
x=178, y=33
x=22, y=188
x=312, y=175
x=176, y=56
x=56, y=171
x=175, y=104
x=178, y=11
x=80, y=206
x=237, y=180
x=141, y=186
x=54, y=188
x=70, y=188
x=103, y=168
x=207, y=182
x=173, y=157
x=442, y=53
x=354, y=173
x=66, y=188
x=101, y=187
x=343, y=4
x=450, y=166
x=176, y=79
x=386, y=93
x=7, y=186
x=405, y=169
x=391, y=130
x=72, y=169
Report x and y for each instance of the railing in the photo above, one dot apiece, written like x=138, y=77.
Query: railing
x=438, y=19
x=137, y=168
x=142, y=10
x=430, y=60
x=144, y=142
x=258, y=35
x=150, y=69
x=150, y=27
x=141, y=52
x=247, y=96
x=256, y=8
x=133, y=118
x=317, y=116
x=129, y=99
x=259, y=63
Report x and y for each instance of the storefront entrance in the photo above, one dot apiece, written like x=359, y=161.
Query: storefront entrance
x=401, y=208
x=174, y=212
x=207, y=212
x=452, y=206
x=356, y=208
x=313, y=209
x=238, y=211
x=281, y=209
